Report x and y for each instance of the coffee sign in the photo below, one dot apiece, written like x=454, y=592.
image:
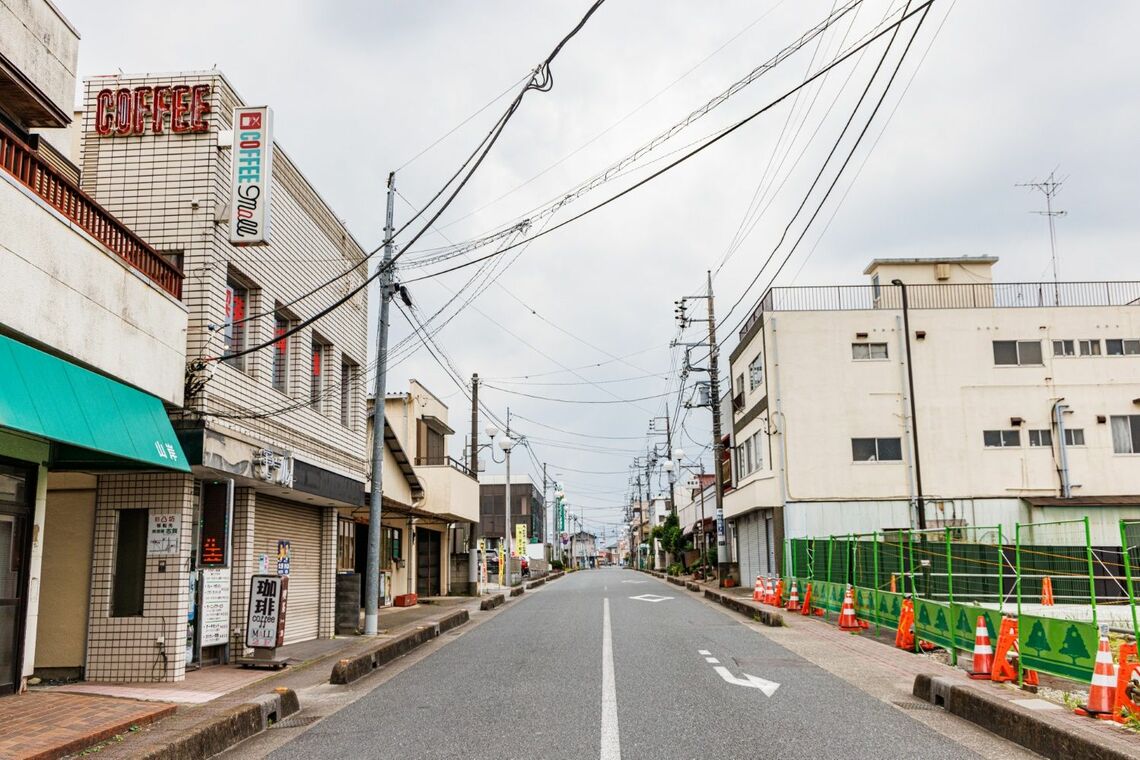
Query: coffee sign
x=250, y=178
x=142, y=110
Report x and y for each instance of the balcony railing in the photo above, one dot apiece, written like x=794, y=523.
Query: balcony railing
x=41, y=178
x=445, y=462
x=990, y=295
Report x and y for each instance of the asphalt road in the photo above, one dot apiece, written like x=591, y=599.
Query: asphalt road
x=581, y=669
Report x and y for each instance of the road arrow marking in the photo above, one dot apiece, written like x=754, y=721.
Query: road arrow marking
x=768, y=687
x=651, y=598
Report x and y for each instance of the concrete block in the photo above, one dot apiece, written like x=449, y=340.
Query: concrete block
x=491, y=602
x=517, y=591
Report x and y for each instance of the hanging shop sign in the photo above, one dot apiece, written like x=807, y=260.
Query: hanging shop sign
x=181, y=109
x=250, y=178
x=164, y=533
x=265, y=618
x=215, y=615
x=520, y=539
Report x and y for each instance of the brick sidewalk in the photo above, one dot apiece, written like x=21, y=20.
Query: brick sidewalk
x=45, y=725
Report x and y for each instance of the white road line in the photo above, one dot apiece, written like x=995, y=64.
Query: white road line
x=705, y=652
x=712, y=660
x=611, y=742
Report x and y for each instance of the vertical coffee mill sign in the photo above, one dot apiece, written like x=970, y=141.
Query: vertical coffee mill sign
x=265, y=621
x=251, y=176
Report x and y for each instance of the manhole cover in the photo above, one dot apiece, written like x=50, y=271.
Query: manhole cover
x=915, y=705
x=296, y=721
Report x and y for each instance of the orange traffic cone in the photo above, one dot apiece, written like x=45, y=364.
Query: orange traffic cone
x=983, y=652
x=1127, y=683
x=758, y=589
x=1002, y=669
x=904, y=636
x=1102, y=693
x=894, y=590
x=779, y=595
x=1047, y=591
x=847, y=619
x=794, y=599
x=806, y=609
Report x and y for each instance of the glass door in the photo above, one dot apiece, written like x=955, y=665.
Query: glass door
x=16, y=493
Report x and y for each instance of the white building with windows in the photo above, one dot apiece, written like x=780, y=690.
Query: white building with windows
x=1026, y=402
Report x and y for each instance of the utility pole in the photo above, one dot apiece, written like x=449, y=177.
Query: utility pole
x=372, y=579
x=473, y=541
x=1049, y=188
x=718, y=473
x=920, y=499
x=672, y=478
x=506, y=563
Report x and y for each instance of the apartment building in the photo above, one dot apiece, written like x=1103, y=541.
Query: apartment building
x=92, y=341
x=1020, y=403
x=275, y=437
x=527, y=507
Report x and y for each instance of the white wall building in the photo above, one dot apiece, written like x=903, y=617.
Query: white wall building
x=822, y=428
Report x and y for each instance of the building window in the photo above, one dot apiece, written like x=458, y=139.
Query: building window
x=317, y=386
x=868, y=351
x=1001, y=439
x=1090, y=347
x=345, y=545
x=390, y=546
x=348, y=380
x=1064, y=348
x=1041, y=438
x=236, y=328
x=1074, y=437
x=876, y=449
x=129, y=581
x=876, y=288
x=1118, y=347
x=1017, y=352
x=756, y=372
x=1126, y=434
x=281, y=354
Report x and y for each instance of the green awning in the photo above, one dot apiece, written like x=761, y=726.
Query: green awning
x=90, y=419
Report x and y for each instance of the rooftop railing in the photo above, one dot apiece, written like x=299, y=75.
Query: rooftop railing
x=20, y=161
x=989, y=295
x=445, y=462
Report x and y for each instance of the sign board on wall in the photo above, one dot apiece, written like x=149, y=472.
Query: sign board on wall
x=520, y=539
x=215, y=614
x=164, y=533
x=265, y=619
x=250, y=176
x=138, y=110
x=214, y=531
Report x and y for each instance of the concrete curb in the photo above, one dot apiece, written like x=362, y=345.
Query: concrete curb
x=767, y=617
x=224, y=731
x=517, y=591
x=692, y=586
x=675, y=580
x=536, y=584
x=351, y=669
x=1021, y=725
x=492, y=602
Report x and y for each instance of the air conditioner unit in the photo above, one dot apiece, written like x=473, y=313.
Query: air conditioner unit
x=942, y=271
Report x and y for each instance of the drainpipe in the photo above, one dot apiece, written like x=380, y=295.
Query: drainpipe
x=778, y=407
x=1059, y=410
x=905, y=403
x=919, y=501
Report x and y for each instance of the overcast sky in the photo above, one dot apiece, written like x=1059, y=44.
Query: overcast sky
x=1005, y=93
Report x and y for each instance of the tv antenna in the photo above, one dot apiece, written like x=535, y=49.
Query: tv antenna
x=1049, y=187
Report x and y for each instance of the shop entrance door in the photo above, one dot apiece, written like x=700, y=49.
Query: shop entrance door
x=427, y=562
x=17, y=490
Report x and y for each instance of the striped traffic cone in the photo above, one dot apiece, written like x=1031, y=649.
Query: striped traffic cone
x=847, y=619
x=983, y=652
x=805, y=609
x=1047, y=591
x=794, y=599
x=779, y=595
x=1103, y=691
x=758, y=590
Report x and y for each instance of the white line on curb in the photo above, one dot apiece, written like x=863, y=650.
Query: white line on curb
x=611, y=741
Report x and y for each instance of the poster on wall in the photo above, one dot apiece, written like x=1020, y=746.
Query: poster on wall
x=215, y=613
x=250, y=178
x=265, y=618
x=163, y=533
x=284, y=549
x=520, y=539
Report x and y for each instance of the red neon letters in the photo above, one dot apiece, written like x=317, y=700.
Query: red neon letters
x=131, y=111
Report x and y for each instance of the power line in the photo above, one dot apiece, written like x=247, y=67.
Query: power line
x=574, y=401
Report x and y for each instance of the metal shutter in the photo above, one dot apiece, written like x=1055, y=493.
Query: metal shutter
x=770, y=536
x=761, y=555
x=276, y=520
x=748, y=537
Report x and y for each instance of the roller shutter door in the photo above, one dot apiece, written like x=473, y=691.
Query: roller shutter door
x=300, y=525
x=748, y=538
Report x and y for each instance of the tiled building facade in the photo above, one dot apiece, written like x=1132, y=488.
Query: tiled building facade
x=285, y=423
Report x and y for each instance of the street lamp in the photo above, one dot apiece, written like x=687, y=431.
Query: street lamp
x=506, y=443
